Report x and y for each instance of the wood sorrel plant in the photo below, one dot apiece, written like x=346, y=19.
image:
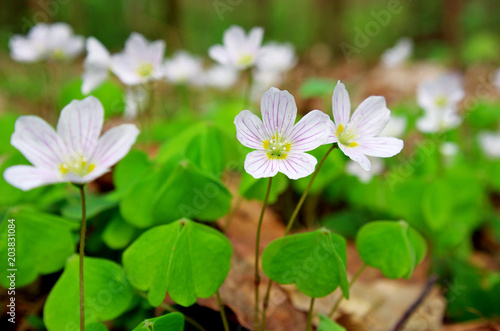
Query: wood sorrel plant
x=74, y=153
x=280, y=147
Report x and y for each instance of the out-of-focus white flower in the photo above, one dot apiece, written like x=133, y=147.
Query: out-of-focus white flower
x=136, y=101
x=496, y=79
x=262, y=81
x=140, y=62
x=365, y=176
x=396, y=127
x=490, y=144
x=74, y=153
x=357, y=135
x=449, y=149
x=183, y=68
x=280, y=143
x=239, y=51
x=398, y=54
x=276, y=57
x=221, y=77
x=46, y=41
x=96, y=65
x=439, y=98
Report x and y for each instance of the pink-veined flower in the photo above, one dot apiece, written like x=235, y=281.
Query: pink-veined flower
x=96, y=65
x=279, y=143
x=239, y=51
x=357, y=135
x=140, y=62
x=46, y=41
x=74, y=152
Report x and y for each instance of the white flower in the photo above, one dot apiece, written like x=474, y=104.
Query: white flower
x=238, y=51
x=398, y=54
x=365, y=176
x=74, y=153
x=396, y=127
x=221, y=77
x=140, y=62
x=44, y=41
x=496, y=79
x=96, y=65
x=490, y=144
x=183, y=68
x=280, y=145
x=439, y=98
x=449, y=149
x=277, y=57
x=356, y=135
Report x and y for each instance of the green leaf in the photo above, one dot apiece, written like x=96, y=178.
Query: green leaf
x=252, y=188
x=118, y=234
x=107, y=294
x=326, y=324
x=438, y=203
x=95, y=204
x=96, y=327
x=130, y=169
x=191, y=192
x=392, y=247
x=316, y=87
x=185, y=259
x=43, y=242
x=314, y=261
x=168, y=322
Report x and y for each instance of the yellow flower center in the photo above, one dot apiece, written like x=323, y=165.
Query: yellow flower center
x=78, y=166
x=145, y=69
x=245, y=59
x=441, y=101
x=277, y=147
x=58, y=54
x=345, y=137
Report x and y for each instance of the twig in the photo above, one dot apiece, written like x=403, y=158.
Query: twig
x=402, y=321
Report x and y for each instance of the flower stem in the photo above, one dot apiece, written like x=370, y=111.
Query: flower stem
x=82, y=253
x=310, y=315
x=231, y=214
x=222, y=312
x=248, y=91
x=290, y=224
x=353, y=280
x=257, y=250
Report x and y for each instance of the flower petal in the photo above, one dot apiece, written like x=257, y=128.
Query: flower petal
x=80, y=125
x=255, y=38
x=341, y=105
x=278, y=111
x=310, y=132
x=219, y=54
x=38, y=142
x=332, y=137
x=371, y=117
x=379, y=146
x=26, y=177
x=250, y=130
x=234, y=38
x=259, y=165
x=124, y=70
x=355, y=155
x=298, y=165
x=114, y=145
